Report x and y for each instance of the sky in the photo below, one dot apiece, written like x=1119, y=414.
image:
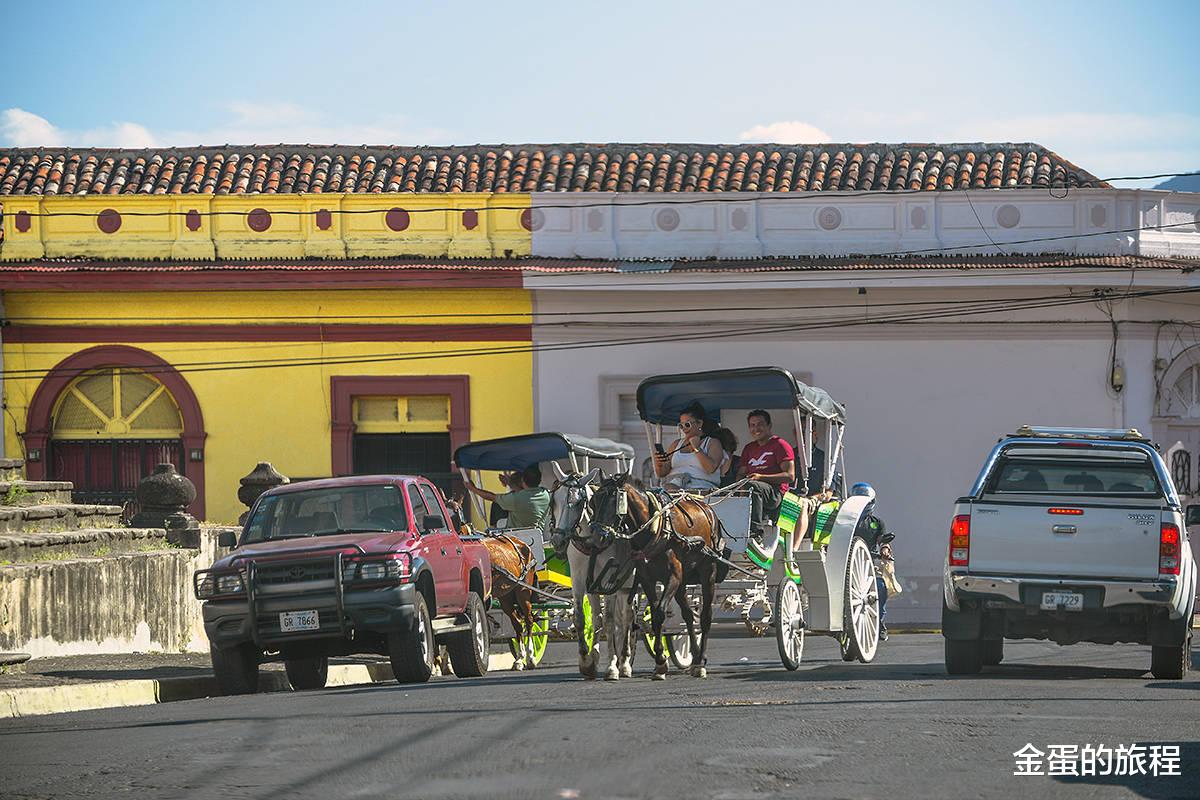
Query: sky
x=1111, y=86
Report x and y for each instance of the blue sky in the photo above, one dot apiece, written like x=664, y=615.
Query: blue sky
x=1112, y=86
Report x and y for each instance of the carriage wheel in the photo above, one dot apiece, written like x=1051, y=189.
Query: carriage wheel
x=789, y=623
x=861, y=603
x=541, y=624
x=678, y=647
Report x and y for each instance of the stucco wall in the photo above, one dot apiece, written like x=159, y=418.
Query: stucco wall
x=134, y=602
x=282, y=415
x=924, y=405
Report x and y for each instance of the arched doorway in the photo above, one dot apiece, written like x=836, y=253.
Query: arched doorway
x=1177, y=419
x=105, y=414
x=110, y=428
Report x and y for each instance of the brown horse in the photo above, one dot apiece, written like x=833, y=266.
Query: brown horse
x=513, y=576
x=674, y=541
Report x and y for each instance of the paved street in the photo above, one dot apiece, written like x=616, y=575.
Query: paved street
x=896, y=728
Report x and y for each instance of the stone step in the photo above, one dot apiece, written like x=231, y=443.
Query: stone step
x=34, y=493
x=24, y=548
x=57, y=518
x=12, y=469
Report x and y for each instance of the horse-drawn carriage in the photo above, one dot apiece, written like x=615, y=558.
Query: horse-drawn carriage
x=827, y=582
x=557, y=609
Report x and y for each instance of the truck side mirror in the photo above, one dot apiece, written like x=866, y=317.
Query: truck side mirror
x=227, y=539
x=433, y=522
x=1192, y=516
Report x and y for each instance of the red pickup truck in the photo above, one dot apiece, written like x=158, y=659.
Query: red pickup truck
x=367, y=564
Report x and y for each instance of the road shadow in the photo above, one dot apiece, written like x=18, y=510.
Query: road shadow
x=1154, y=787
x=851, y=672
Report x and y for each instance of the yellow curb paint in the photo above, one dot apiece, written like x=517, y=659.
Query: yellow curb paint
x=76, y=697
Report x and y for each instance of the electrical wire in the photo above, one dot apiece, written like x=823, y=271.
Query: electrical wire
x=985, y=307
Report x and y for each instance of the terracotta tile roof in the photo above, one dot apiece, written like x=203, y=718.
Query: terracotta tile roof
x=567, y=265
x=536, y=168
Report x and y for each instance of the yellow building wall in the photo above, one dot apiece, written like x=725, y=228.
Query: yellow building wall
x=155, y=226
x=282, y=415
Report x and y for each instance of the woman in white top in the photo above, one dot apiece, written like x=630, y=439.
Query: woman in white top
x=693, y=461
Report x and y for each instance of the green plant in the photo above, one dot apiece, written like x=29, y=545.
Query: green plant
x=15, y=492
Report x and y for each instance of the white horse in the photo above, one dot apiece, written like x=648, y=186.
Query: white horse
x=617, y=617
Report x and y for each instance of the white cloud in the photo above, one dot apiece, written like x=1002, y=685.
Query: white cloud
x=785, y=132
x=241, y=124
x=19, y=128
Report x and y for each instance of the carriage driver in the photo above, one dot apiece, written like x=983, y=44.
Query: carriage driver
x=527, y=501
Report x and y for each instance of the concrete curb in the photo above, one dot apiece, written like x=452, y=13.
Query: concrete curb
x=39, y=700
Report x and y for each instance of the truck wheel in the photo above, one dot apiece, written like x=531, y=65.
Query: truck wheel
x=411, y=652
x=992, y=652
x=236, y=668
x=469, y=649
x=1170, y=662
x=964, y=656
x=307, y=673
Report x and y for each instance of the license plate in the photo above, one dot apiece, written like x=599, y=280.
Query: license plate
x=291, y=621
x=1069, y=601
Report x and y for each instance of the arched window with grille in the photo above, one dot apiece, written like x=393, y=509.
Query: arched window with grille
x=110, y=428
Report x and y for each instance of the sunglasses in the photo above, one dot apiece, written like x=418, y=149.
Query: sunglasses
x=689, y=424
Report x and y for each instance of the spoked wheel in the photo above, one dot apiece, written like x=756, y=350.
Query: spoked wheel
x=541, y=625
x=678, y=646
x=789, y=623
x=861, y=604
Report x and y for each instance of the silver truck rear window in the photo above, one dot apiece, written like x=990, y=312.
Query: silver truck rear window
x=1020, y=474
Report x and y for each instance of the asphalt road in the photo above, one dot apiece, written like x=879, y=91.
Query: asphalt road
x=897, y=728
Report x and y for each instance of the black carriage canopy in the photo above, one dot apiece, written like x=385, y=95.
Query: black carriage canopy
x=662, y=397
x=518, y=452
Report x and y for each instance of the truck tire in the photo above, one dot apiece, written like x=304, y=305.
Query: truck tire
x=236, y=668
x=307, y=673
x=412, y=652
x=964, y=656
x=1171, y=662
x=469, y=649
x=993, y=652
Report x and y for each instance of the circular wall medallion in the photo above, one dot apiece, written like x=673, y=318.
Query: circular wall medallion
x=259, y=220
x=532, y=219
x=918, y=218
x=829, y=218
x=1008, y=216
x=470, y=219
x=1099, y=215
x=23, y=222
x=667, y=219
x=192, y=220
x=397, y=219
x=324, y=219
x=109, y=220
x=738, y=219
x=595, y=220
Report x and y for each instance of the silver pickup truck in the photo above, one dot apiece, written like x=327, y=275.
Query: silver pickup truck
x=1071, y=535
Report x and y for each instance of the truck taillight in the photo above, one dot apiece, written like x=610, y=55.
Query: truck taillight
x=960, y=540
x=1168, y=550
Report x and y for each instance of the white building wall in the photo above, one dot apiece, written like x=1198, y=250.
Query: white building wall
x=611, y=225
x=924, y=405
